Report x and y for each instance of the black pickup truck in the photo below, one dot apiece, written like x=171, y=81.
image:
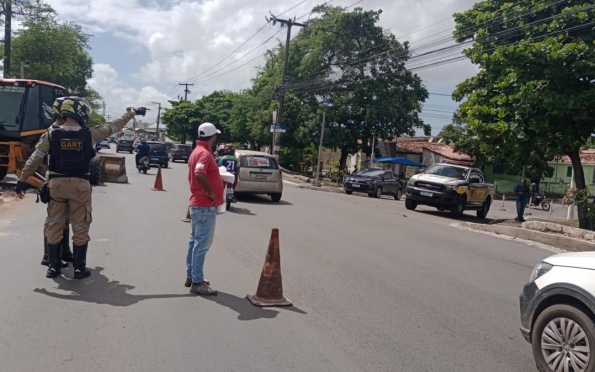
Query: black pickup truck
x=450, y=187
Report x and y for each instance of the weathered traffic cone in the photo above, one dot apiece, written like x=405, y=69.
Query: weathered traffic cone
x=158, y=182
x=270, y=287
x=187, y=218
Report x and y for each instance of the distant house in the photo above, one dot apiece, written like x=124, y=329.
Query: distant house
x=442, y=153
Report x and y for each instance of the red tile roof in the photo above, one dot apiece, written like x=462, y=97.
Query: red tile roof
x=411, y=147
x=448, y=152
x=587, y=157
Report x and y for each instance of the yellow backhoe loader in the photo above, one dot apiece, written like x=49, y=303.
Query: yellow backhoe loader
x=25, y=114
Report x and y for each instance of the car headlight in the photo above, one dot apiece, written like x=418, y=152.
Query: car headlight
x=452, y=187
x=410, y=182
x=540, y=270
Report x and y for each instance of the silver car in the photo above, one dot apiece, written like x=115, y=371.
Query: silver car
x=259, y=174
x=558, y=313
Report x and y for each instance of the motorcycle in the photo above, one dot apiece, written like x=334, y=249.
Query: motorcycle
x=539, y=200
x=143, y=164
x=229, y=195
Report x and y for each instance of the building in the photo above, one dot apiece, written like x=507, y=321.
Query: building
x=433, y=153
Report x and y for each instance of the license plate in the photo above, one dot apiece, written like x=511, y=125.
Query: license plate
x=154, y=159
x=423, y=193
x=184, y=157
x=260, y=176
x=355, y=185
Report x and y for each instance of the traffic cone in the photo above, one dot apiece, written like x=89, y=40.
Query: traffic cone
x=187, y=218
x=158, y=181
x=270, y=287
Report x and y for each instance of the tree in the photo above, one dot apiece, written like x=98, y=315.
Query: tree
x=350, y=65
x=182, y=120
x=58, y=53
x=534, y=90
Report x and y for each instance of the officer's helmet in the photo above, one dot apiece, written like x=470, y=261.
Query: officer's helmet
x=77, y=108
x=57, y=107
x=221, y=150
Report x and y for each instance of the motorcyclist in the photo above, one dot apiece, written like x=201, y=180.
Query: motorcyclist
x=535, y=197
x=227, y=158
x=70, y=147
x=142, y=150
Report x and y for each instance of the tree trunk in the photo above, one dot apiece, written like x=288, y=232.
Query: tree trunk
x=584, y=221
x=343, y=160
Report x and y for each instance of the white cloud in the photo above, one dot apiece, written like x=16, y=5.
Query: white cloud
x=187, y=37
x=118, y=95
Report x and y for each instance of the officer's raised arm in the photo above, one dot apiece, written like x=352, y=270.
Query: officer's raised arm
x=105, y=130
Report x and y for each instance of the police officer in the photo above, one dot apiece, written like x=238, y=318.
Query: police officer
x=70, y=150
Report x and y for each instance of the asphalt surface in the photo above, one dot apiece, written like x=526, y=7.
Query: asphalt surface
x=375, y=288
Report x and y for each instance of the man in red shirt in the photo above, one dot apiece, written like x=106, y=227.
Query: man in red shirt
x=206, y=194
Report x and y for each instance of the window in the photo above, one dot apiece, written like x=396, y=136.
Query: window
x=47, y=95
x=475, y=177
x=11, y=98
x=32, y=112
x=569, y=172
x=256, y=161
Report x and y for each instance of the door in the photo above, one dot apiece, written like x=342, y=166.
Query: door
x=476, y=188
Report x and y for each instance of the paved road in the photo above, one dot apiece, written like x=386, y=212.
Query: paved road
x=374, y=290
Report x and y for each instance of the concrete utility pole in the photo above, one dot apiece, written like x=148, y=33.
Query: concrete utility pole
x=158, y=115
x=23, y=65
x=103, y=106
x=108, y=117
x=7, y=35
x=318, y=167
x=186, y=91
x=289, y=23
x=570, y=214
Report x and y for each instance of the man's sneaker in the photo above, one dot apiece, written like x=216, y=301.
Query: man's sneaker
x=81, y=273
x=188, y=282
x=53, y=272
x=202, y=289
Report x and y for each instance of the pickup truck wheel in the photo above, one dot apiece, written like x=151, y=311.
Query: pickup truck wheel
x=459, y=208
x=483, y=212
x=348, y=192
x=410, y=204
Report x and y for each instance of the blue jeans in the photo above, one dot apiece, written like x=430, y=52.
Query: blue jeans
x=520, y=209
x=201, y=238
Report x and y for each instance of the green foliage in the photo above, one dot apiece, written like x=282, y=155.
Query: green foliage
x=533, y=97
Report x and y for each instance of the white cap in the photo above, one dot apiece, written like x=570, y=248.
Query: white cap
x=207, y=130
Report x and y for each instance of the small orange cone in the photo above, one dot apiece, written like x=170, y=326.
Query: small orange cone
x=158, y=182
x=270, y=287
x=187, y=218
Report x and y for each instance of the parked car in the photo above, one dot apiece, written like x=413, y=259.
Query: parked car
x=180, y=152
x=105, y=144
x=375, y=183
x=158, y=154
x=558, y=312
x=170, y=146
x=450, y=187
x=124, y=145
x=259, y=174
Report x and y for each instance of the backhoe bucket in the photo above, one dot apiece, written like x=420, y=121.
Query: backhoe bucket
x=113, y=169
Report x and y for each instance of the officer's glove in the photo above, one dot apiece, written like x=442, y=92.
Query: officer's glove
x=21, y=189
x=141, y=111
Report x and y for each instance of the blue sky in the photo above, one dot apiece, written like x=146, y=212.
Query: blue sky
x=142, y=49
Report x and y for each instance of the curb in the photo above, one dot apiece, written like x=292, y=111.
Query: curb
x=322, y=188
x=558, y=241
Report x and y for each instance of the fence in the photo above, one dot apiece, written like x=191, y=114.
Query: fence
x=551, y=189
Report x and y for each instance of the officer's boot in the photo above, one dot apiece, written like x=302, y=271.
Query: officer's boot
x=66, y=253
x=80, y=261
x=45, y=261
x=54, y=254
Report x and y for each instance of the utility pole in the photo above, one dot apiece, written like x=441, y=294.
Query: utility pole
x=7, y=35
x=570, y=214
x=108, y=117
x=372, y=155
x=318, y=167
x=158, y=115
x=103, y=106
x=186, y=91
x=289, y=23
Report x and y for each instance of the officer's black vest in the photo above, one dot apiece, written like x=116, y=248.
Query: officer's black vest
x=71, y=152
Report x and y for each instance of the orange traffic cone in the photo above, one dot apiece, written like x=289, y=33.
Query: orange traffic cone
x=158, y=181
x=270, y=287
x=187, y=218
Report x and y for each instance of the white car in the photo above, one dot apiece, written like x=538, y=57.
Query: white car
x=558, y=313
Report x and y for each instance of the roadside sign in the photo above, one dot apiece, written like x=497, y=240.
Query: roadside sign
x=275, y=117
x=278, y=128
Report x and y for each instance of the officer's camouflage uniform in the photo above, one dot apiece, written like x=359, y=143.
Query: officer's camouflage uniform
x=70, y=195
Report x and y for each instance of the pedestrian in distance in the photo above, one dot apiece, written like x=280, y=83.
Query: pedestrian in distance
x=522, y=193
x=70, y=149
x=206, y=194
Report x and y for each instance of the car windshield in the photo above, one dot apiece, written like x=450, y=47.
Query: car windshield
x=255, y=161
x=448, y=171
x=124, y=141
x=370, y=172
x=185, y=148
x=157, y=147
x=11, y=98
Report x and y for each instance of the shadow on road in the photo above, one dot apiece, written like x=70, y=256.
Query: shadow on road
x=245, y=309
x=100, y=290
x=257, y=199
x=243, y=211
x=465, y=218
